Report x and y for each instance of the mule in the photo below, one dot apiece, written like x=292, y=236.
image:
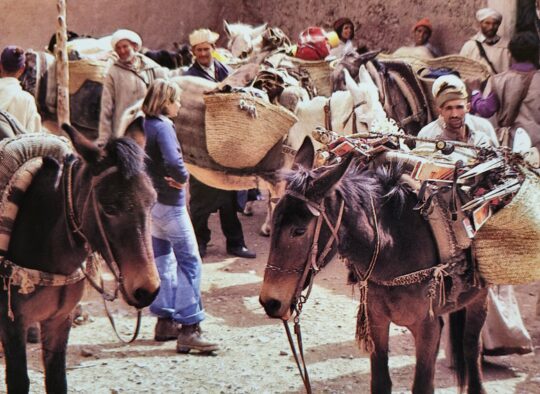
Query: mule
x=382, y=238
x=244, y=40
x=100, y=201
x=180, y=57
x=404, y=98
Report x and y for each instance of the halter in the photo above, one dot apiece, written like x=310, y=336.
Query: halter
x=75, y=226
x=312, y=265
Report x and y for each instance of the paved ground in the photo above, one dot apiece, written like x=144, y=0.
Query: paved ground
x=255, y=356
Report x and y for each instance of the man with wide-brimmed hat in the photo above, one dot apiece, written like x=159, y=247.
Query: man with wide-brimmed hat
x=486, y=46
x=126, y=81
x=205, y=200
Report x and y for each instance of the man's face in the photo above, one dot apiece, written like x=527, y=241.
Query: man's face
x=203, y=53
x=489, y=27
x=125, y=50
x=453, y=113
x=421, y=35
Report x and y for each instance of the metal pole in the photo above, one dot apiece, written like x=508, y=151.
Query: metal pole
x=62, y=66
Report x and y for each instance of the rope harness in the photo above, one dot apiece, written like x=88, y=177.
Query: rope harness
x=435, y=274
x=27, y=279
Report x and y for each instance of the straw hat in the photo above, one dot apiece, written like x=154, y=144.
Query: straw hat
x=202, y=35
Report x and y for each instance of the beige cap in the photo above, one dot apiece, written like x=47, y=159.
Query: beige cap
x=202, y=35
x=124, y=34
x=448, y=87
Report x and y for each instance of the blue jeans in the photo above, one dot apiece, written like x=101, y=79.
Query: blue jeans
x=179, y=265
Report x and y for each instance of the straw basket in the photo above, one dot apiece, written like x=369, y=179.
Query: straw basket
x=320, y=72
x=508, y=245
x=467, y=69
x=83, y=70
x=240, y=137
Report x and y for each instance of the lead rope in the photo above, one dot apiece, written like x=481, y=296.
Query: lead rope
x=313, y=264
x=363, y=330
x=77, y=228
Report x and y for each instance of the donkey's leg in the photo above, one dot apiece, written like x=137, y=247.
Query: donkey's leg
x=475, y=317
x=427, y=335
x=380, y=374
x=14, y=342
x=54, y=338
x=266, y=226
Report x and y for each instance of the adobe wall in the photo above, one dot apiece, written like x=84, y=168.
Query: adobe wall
x=382, y=24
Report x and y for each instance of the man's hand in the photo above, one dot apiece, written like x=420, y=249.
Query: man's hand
x=172, y=183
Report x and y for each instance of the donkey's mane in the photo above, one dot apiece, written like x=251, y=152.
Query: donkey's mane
x=359, y=184
x=127, y=155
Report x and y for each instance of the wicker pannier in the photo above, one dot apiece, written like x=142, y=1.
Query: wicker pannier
x=507, y=247
x=86, y=70
x=320, y=72
x=241, y=129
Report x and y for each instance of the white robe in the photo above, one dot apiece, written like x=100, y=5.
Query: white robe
x=498, y=53
x=20, y=104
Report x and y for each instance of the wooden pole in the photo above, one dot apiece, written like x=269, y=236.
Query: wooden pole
x=62, y=66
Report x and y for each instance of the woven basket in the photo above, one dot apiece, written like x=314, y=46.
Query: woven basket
x=508, y=245
x=320, y=72
x=235, y=137
x=83, y=70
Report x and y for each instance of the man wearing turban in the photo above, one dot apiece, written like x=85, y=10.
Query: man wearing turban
x=486, y=46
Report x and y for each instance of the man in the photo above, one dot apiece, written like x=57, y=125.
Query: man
x=514, y=95
x=486, y=46
x=503, y=332
x=126, y=82
x=454, y=122
x=13, y=99
x=205, y=200
x=422, y=48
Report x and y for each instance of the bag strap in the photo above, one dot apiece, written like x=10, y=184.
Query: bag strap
x=485, y=56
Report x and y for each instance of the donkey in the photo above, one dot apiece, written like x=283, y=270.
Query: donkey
x=366, y=215
x=244, y=40
x=99, y=201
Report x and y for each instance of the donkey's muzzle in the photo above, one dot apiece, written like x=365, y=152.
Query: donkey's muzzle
x=144, y=297
x=272, y=307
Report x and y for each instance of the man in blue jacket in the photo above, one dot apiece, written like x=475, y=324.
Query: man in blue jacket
x=204, y=200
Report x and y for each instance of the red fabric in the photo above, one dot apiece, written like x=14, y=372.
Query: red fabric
x=312, y=44
x=423, y=22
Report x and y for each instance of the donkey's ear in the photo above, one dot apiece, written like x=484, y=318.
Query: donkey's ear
x=322, y=185
x=305, y=157
x=259, y=30
x=84, y=147
x=226, y=28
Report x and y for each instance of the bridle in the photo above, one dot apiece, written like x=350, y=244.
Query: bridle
x=75, y=225
x=313, y=265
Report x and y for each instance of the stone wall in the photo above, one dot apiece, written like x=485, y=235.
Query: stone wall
x=382, y=24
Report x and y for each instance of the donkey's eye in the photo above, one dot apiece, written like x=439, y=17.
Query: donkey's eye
x=110, y=209
x=298, y=231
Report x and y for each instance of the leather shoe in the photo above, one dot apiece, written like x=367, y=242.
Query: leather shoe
x=241, y=251
x=190, y=338
x=166, y=330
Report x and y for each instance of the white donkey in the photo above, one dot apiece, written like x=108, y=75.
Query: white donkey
x=244, y=40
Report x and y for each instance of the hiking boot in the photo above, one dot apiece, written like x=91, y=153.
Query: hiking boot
x=190, y=338
x=166, y=330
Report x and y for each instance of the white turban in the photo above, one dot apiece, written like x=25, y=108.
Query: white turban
x=202, y=35
x=485, y=13
x=124, y=34
x=448, y=87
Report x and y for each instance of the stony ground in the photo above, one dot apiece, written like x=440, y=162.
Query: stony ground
x=255, y=356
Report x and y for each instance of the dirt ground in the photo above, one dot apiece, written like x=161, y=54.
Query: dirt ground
x=255, y=355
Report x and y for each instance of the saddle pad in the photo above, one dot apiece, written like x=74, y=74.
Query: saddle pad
x=20, y=159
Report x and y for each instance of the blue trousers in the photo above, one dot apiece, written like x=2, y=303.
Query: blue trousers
x=179, y=265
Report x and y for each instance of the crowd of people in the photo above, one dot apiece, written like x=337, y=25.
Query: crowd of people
x=511, y=100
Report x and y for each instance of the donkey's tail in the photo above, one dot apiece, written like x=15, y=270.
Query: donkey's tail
x=457, y=330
